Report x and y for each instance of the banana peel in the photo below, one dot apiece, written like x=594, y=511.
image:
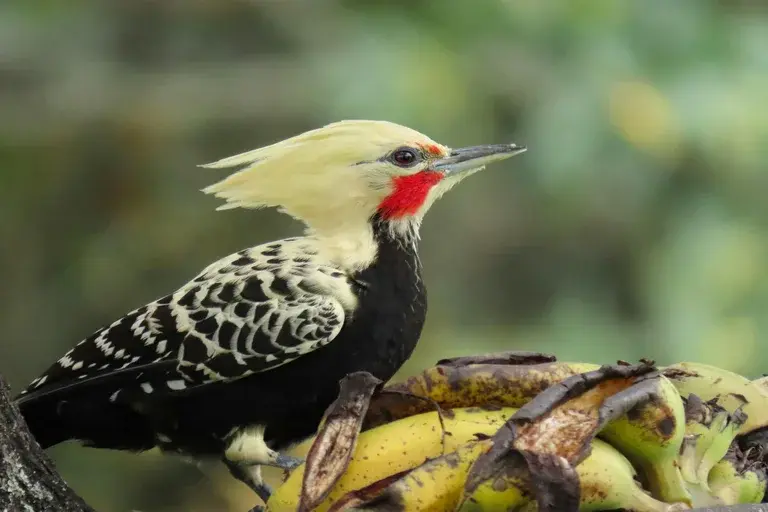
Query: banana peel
x=332, y=449
x=455, y=384
x=552, y=433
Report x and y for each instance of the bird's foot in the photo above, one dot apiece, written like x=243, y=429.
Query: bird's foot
x=263, y=491
x=250, y=476
x=287, y=462
x=247, y=447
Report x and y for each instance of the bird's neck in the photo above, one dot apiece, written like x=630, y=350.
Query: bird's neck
x=355, y=246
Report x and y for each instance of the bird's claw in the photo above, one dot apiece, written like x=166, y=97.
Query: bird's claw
x=263, y=491
x=288, y=462
x=250, y=478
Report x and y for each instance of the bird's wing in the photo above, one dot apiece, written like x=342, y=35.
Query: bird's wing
x=250, y=312
x=256, y=315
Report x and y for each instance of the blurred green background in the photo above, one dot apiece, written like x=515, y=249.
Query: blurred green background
x=636, y=225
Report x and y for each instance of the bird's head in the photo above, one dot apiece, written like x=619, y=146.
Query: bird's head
x=339, y=177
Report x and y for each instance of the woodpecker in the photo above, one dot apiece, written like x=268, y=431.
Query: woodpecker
x=243, y=360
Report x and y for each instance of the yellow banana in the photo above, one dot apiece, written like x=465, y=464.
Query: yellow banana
x=452, y=386
x=650, y=435
x=733, y=486
x=731, y=390
x=435, y=486
x=509, y=491
x=396, y=447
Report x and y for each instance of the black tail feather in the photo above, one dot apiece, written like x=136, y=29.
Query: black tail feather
x=95, y=421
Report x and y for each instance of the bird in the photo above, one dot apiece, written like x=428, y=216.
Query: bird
x=242, y=361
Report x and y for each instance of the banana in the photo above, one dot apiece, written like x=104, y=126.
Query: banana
x=650, y=435
x=709, y=430
x=395, y=447
x=730, y=390
x=681, y=446
x=468, y=385
x=435, y=486
x=336, y=437
x=511, y=490
x=699, y=434
x=761, y=383
x=719, y=447
x=552, y=433
x=735, y=483
x=607, y=481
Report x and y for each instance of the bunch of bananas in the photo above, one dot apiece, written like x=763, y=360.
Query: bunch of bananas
x=522, y=431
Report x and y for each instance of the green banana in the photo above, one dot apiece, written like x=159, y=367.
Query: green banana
x=702, y=422
x=651, y=435
x=709, y=432
x=736, y=481
x=608, y=482
x=730, y=390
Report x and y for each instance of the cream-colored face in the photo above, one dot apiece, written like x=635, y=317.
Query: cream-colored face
x=326, y=177
x=343, y=174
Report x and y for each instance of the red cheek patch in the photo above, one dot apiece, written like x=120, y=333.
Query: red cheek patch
x=409, y=194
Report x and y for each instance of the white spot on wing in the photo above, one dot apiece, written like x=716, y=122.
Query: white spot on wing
x=66, y=361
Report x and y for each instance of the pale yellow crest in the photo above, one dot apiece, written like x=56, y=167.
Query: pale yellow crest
x=323, y=176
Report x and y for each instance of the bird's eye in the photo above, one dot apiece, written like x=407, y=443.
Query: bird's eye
x=404, y=157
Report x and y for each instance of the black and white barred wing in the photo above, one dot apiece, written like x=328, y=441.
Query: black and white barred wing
x=144, y=338
x=239, y=326
x=247, y=313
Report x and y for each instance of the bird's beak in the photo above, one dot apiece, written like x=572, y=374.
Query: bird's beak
x=475, y=157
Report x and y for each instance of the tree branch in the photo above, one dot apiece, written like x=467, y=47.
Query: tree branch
x=28, y=479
